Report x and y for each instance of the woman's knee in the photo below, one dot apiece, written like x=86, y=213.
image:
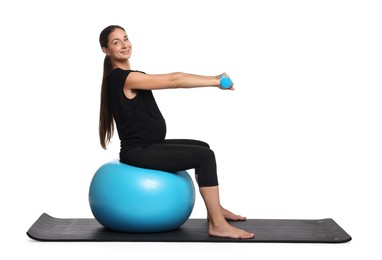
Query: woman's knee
x=208, y=156
x=201, y=143
x=187, y=142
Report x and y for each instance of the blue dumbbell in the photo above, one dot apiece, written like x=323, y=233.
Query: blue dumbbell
x=225, y=82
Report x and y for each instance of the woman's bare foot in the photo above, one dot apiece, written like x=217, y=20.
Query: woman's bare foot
x=231, y=216
x=228, y=215
x=218, y=225
x=228, y=231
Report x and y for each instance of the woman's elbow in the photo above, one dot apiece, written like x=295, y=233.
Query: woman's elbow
x=177, y=80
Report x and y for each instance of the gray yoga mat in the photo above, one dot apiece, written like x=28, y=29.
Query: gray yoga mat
x=48, y=228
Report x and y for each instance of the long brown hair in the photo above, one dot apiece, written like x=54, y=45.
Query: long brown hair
x=106, y=118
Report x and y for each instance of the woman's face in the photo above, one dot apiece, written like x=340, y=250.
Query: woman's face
x=119, y=46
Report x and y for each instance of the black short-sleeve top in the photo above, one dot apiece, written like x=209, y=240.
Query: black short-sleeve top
x=138, y=120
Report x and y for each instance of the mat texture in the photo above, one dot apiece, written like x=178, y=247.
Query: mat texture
x=48, y=228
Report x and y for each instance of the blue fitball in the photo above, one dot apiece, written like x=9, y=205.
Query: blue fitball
x=131, y=199
x=225, y=82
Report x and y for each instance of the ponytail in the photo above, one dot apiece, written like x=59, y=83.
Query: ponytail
x=106, y=118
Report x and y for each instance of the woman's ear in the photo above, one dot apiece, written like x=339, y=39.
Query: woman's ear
x=105, y=50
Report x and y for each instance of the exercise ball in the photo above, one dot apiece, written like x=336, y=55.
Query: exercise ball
x=131, y=199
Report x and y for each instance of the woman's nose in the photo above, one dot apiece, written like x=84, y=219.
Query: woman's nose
x=125, y=44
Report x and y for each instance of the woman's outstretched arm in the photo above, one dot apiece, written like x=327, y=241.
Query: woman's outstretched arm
x=137, y=80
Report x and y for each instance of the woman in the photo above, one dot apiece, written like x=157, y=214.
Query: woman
x=127, y=100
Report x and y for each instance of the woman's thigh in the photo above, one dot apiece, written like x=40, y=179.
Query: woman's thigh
x=172, y=156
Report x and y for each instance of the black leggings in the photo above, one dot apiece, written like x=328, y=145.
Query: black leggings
x=175, y=155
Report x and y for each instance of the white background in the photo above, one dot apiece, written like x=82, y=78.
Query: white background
x=300, y=137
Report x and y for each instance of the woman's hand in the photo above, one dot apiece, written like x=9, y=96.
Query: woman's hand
x=225, y=75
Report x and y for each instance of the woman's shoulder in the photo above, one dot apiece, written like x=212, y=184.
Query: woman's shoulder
x=123, y=71
x=119, y=74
